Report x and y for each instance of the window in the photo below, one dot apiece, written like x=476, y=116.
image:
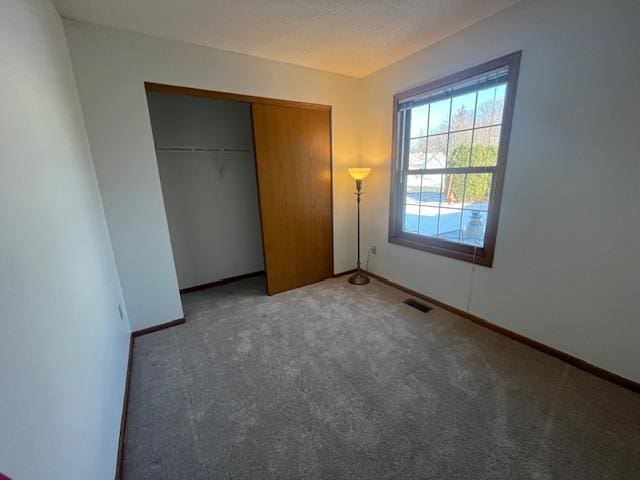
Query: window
x=450, y=146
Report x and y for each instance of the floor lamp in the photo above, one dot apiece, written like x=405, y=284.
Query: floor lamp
x=359, y=174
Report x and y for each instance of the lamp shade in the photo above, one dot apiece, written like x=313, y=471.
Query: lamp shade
x=359, y=173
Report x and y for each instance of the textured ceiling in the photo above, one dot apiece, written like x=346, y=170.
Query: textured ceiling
x=353, y=37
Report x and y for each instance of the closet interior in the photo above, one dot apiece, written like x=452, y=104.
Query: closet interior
x=204, y=149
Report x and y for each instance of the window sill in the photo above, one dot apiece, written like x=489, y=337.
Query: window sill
x=444, y=248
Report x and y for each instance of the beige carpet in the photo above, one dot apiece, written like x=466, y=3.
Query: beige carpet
x=335, y=381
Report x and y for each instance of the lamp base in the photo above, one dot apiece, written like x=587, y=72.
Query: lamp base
x=358, y=278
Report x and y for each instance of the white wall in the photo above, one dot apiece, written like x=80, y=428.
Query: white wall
x=211, y=199
x=111, y=67
x=566, y=267
x=63, y=346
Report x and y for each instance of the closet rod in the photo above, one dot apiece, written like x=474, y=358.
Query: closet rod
x=199, y=149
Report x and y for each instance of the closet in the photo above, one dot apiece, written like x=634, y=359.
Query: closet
x=246, y=183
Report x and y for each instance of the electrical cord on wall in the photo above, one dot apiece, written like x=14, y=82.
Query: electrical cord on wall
x=471, y=278
x=367, y=263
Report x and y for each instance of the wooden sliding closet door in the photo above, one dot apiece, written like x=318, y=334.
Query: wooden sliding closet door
x=293, y=159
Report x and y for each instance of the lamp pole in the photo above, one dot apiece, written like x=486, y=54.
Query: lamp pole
x=358, y=193
x=358, y=278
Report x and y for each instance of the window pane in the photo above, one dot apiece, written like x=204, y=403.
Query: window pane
x=462, y=111
x=412, y=190
x=437, y=151
x=431, y=190
x=453, y=190
x=459, y=149
x=490, y=106
x=439, y=116
x=485, y=147
x=429, y=204
x=411, y=218
x=417, y=153
x=474, y=224
x=449, y=224
x=429, y=221
x=498, y=106
x=477, y=191
x=419, y=117
x=412, y=203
